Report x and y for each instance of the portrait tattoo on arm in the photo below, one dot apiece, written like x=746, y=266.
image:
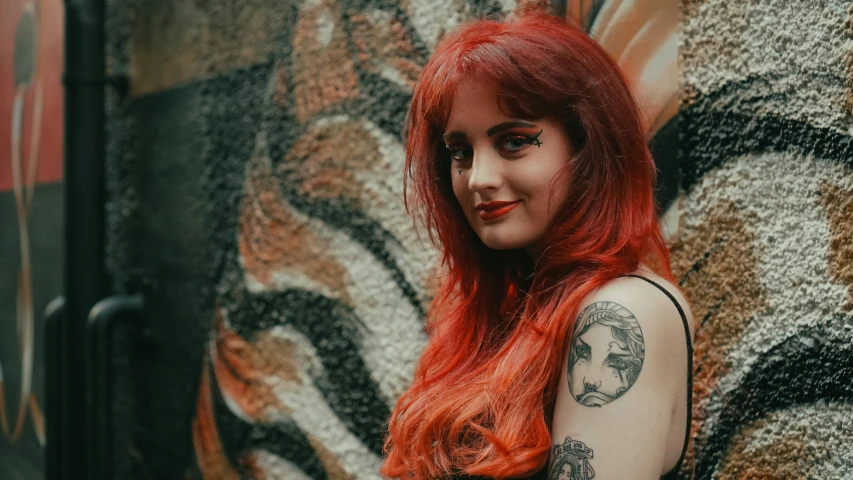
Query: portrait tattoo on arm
x=571, y=461
x=606, y=355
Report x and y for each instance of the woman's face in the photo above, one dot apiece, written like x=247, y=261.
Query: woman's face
x=600, y=373
x=567, y=472
x=502, y=168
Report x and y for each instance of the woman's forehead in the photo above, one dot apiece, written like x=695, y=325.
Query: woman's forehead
x=474, y=104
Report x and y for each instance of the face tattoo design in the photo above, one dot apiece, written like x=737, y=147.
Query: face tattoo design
x=607, y=354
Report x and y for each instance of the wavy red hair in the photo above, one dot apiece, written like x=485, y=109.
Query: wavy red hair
x=481, y=400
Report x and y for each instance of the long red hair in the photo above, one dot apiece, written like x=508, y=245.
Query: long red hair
x=482, y=396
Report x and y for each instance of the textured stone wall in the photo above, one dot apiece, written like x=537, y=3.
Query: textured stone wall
x=257, y=173
x=763, y=248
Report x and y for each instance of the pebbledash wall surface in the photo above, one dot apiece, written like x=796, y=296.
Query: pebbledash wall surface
x=255, y=173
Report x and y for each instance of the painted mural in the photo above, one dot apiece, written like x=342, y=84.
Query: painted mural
x=30, y=220
x=320, y=319
x=765, y=229
x=317, y=282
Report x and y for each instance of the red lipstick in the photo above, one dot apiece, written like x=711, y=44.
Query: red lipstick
x=495, y=209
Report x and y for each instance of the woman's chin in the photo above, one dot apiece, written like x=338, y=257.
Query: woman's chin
x=504, y=245
x=497, y=242
x=507, y=238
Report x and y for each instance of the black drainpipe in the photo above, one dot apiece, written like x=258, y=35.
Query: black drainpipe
x=84, y=269
x=79, y=379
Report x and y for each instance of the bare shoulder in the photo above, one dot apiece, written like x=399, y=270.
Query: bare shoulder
x=633, y=328
x=622, y=380
x=655, y=308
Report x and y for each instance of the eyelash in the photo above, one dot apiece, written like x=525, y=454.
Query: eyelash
x=526, y=141
x=618, y=365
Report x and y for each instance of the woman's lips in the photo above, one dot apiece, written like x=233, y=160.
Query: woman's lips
x=595, y=398
x=486, y=213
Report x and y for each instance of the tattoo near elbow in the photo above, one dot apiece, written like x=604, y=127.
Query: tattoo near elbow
x=570, y=461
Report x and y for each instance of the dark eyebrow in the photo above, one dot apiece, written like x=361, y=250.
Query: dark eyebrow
x=455, y=135
x=460, y=135
x=507, y=125
x=619, y=356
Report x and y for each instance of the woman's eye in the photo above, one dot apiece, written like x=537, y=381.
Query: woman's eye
x=582, y=351
x=621, y=366
x=460, y=153
x=516, y=143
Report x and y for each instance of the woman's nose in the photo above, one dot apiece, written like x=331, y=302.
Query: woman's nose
x=485, y=173
x=591, y=385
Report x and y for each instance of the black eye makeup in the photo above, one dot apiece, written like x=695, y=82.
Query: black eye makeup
x=617, y=363
x=460, y=152
x=509, y=145
x=582, y=351
x=516, y=142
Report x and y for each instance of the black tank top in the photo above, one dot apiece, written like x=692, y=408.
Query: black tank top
x=672, y=474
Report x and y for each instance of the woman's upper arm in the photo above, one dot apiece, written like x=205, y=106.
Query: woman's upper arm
x=624, y=370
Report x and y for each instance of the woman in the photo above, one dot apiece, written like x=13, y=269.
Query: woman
x=550, y=335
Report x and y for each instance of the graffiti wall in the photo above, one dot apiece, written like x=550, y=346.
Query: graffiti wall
x=766, y=227
x=30, y=220
x=262, y=185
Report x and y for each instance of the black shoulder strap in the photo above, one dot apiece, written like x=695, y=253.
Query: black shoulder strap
x=689, y=369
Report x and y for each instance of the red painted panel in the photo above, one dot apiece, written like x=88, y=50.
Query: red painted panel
x=47, y=41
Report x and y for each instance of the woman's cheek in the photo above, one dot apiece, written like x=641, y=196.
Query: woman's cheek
x=578, y=368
